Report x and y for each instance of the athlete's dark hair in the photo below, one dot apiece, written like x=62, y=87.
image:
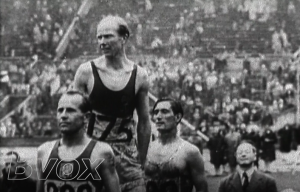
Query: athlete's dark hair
x=15, y=154
x=85, y=105
x=123, y=31
x=175, y=106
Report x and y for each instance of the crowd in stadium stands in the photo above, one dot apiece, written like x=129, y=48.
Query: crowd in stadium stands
x=203, y=28
x=41, y=80
x=208, y=91
x=196, y=26
x=31, y=27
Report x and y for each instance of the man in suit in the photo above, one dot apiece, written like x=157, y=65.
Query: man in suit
x=14, y=177
x=247, y=178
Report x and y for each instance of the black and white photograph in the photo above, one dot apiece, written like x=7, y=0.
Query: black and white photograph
x=149, y=95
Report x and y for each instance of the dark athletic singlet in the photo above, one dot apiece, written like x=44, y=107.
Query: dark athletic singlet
x=113, y=109
x=71, y=175
x=113, y=103
x=164, y=177
x=114, y=124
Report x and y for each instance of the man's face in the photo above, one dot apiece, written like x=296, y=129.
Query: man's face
x=69, y=117
x=10, y=162
x=215, y=130
x=109, y=41
x=164, y=117
x=245, y=155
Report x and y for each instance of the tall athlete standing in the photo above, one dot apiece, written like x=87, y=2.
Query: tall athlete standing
x=116, y=87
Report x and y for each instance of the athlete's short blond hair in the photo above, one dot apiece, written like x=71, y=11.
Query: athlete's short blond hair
x=123, y=29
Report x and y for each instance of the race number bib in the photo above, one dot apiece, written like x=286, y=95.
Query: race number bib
x=112, y=129
x=68, y=186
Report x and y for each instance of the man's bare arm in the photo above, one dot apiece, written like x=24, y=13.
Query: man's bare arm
x=196, y=169
x=81, y=78
x=143, y=126
x=107, y=170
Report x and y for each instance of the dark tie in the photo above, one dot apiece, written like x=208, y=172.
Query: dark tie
x=246, y=181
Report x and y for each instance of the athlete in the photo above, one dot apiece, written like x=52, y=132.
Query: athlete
x=173, y=164
x=75, y=163
x=117, y=87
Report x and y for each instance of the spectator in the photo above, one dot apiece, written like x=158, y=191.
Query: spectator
x=48, y=129
x=3, y=130
x=232, y=139
x=268, y=141
x=246, y=178
x=217, y=147
x=253, y=136
x=285, y=139
x=267, y=119
x=195, y=139
x=14, y=179
x=276, y=44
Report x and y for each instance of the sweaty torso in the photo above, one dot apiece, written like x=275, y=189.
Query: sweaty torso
x=166, y=168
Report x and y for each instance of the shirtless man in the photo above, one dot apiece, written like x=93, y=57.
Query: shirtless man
x=172, y=164
x=75, y=163
x=116, y=87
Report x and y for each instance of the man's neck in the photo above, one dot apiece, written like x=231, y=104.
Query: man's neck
x=245, y=169
x=74, y=139
x=167, y=137
x=116, y=62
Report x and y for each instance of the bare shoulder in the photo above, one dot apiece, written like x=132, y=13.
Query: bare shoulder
x=102, y=150
x=142, y=73
x=82, y=76
x=84, y=69
x=142, y=78
x=44, y=151
x=191, y=150
x=46, y=147
x=103, y=154
x=189, y=147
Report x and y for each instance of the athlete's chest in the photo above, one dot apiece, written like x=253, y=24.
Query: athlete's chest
x=165, y=162
x=114, y=80
x=67, y=153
